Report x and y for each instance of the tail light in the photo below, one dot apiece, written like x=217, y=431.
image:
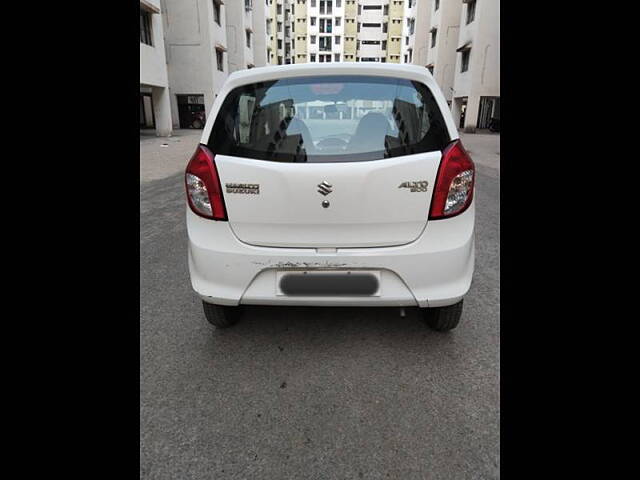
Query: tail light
x=204, y=192
x=453, y=192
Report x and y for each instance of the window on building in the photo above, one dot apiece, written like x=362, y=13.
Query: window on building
x=325, y=44
x=338, y=21
x=471, y=11
x=386, y=10
x=268, y=26
x=279, y=44
x=279, y=9
x=434, y=34
x=406, y=40
x=313, y=39
x=384, y=45
x=338, y=3
x=464, y=64
x=313, y=3
x=372, y=7
x=371, y=25
x=216, y=11
x=248, y=35
x=248, y=4
x=336, y=57
x=279, y=26
x=385, y=26
x=313, y=21
x=436, y=4
x=312, y=57
x=220, y=59
x=279, y=60
x=145, y=28
x=293, y=9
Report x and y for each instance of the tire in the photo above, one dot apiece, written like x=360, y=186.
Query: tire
x=220, y=316
x=443, y=319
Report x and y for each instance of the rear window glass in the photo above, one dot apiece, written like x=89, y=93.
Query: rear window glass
x=329, y=119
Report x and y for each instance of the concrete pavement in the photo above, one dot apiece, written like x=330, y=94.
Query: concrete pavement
x=314, y=393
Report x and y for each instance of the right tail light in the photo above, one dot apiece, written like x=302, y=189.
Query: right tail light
x=453, y=191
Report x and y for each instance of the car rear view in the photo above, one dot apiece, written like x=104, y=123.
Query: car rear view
x=342, y=184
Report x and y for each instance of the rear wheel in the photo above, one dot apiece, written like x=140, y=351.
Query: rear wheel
x=221, y=316
x=443, y=319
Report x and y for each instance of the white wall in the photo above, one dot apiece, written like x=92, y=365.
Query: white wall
x=238, y=20
x=259, y=33
x=419, y=43
x=153, y=73
x=191, y=36
x=153, y=64
x=443, y=55
x=335, y=31
x=483, y=76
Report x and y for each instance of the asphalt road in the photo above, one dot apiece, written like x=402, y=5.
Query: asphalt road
x=313, y=393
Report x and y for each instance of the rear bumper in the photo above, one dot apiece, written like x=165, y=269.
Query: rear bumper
x=434, y=270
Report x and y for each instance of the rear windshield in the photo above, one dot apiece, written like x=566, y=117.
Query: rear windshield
x=329, y=119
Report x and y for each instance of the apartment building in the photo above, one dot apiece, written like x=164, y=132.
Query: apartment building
x=442, y=41
x=476, y=84
x=155, y=110
x=279, y=28
x=415, y=46
x=245, y=37
x=300, y=31
x=206, y=40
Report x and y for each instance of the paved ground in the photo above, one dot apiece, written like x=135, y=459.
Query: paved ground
x=161, y=157
x=485, y=151
x=310, y=392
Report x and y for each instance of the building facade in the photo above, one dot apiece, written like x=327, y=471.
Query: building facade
x=442, y=41
x=197, y=57
x=415, y=46
x=320, y=31
x=476, y=84
x=189, y=47
x=205, y=41
x=155, y=110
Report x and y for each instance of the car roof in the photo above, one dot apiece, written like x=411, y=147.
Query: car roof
x=395, y=70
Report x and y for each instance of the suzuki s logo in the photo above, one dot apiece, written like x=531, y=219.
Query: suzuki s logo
x=325, y=188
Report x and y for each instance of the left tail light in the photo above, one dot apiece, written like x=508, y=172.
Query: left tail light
x=202, y=182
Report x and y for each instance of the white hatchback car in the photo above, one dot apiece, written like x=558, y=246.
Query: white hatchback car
x=341, y=184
